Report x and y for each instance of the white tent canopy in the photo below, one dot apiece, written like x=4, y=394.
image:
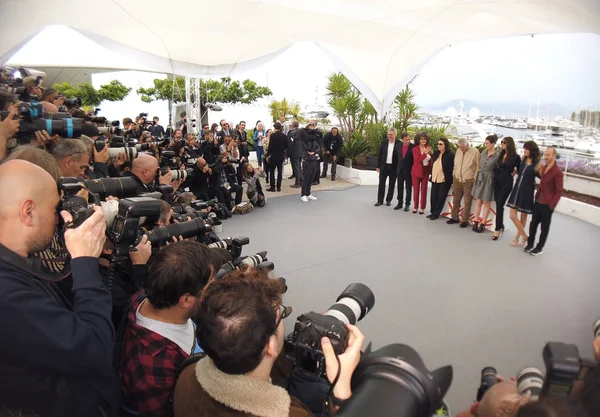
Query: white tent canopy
x=378, y=44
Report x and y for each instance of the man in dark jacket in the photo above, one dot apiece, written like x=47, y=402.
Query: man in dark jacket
x=295, y=154
x=405, y=163
x=201, y=179
x=276, y=155
x=332, y=142
x=311, y=149
x=55, y=356
x=223, y=182
x=387, y=162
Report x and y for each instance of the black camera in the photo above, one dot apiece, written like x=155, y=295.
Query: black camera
x=125, y=227
x=233, y=160
x=233, y=245
x=259, y=261
x=303, y=346
x=76, y=205
x=192, y=228
x=32, y=121
x=489, y=378
x=182, y=174
x=72, y=102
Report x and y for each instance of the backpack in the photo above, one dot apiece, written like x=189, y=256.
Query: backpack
x=243, y=208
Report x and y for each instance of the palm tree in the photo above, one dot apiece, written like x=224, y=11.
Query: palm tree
x=279, y=108
x=407, y=108
x=346, y=102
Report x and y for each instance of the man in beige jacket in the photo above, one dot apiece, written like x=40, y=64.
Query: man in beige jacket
x=466, y=165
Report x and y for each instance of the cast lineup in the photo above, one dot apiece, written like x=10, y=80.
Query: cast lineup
x=503, y=177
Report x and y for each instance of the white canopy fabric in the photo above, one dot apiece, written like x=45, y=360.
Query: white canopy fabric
x=379, y=44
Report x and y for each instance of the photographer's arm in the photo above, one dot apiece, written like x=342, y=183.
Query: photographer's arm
x=8, y=128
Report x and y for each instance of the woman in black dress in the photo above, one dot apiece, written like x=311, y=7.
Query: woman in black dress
x=521, y=198
x=441, y=177
x=506, y=167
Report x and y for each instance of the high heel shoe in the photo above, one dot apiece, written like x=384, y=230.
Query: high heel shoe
x=524, y=241
x=499, y=235
x=475, y=225
x=515, y=241
x=480, y=228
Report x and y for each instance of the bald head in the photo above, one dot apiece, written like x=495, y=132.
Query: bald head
x=28, y=211
x=144, y=167
x=501, y=399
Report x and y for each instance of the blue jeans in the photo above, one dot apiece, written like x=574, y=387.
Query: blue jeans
x=260, y=152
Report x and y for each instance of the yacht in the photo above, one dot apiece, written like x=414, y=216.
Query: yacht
x=520, y=125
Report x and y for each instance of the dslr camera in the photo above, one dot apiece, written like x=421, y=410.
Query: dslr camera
x=303, y=346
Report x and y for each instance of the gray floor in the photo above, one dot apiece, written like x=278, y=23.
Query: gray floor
x=455, y=296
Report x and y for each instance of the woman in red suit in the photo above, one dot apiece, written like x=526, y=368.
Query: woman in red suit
x=421, y=170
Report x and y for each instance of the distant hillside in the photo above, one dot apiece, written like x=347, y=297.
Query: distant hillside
x=507, y=109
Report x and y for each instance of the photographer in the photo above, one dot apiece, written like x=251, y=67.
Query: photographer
x=294, y=150
x=210, y=148
x=192, y=149
x=98, y=167
x=240, y=327
x=144, y=170
x=43, y=371
x=8, y=127
x=502, y=399
x=156, y=130
x=182, y=124
x=159, y=332
x=223, y=182
x=73, y=157
x=201, y=179
x=333, y=142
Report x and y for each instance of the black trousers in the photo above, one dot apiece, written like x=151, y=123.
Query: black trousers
x=327, y=158
x=267, y=167
x=225, y=196
x=404, y=183
x=388, y=172
x=317, y=176
x=501, y=194
x=297, y=168
x=279, y=166
x=541, y=214
x=309, y=168
x=439, y=192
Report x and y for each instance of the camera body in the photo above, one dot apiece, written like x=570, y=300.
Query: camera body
x=564, y=366
x=304, y=345
x=76, y=205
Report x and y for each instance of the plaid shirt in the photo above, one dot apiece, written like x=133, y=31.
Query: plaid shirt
x=147, y=367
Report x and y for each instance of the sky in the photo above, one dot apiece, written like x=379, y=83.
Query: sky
x=563, y=69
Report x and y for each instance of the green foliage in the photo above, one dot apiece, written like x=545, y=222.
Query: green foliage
x=222, y=91
x=349, y=105
x=374, y=133
x=113, y=91
x=355, y=147
x=286, y=108
x=573, y=116
x=407, y=109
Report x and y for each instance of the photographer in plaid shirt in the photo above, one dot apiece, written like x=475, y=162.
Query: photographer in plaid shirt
x=159, y=333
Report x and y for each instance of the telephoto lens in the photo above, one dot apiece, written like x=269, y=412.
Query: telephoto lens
x=254, y=260
x=192, y=228
x=353, y=304
x=178, y=174
x=489, y=378
x=115, y=152
x=530, y=380
x=597, y=328
x=122, y=187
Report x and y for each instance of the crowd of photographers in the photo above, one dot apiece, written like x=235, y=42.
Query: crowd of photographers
x=117, y=297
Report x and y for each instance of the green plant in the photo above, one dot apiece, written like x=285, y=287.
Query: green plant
x=285, y=108
x=355, y=147
x=349, y=105
x=374, y=133
x=113, y=91
x=407, y=109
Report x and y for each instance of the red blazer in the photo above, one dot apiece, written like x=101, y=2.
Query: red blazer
x=418, y=169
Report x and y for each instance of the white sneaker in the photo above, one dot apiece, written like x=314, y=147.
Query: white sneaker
x=312, y=197
x=304, y=199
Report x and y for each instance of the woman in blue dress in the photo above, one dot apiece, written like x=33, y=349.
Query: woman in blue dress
x=521, y=197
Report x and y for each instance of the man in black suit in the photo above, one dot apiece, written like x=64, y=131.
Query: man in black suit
x=295, y=153
x=405, y=163
x=387, y=163
x=276, y=155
